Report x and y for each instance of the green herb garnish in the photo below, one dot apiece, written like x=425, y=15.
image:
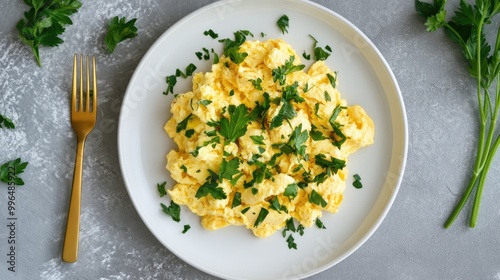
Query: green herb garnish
x=467, y=28
x=186, y=228
x=236, y=126
x=6, y=122
x=211, y=33
x=320, y=224
x=320, y=53
x=357, y=181
x=10, y=171
x=279, y=74
x=283, y=23
x=331, y=166
x=119, y=29
x=161, y=189
x=174, y=210
x=317, y=199
x=183, y=124
x=44, y=22
x=262, y=215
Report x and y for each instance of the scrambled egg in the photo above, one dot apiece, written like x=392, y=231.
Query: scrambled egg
x=273, y=171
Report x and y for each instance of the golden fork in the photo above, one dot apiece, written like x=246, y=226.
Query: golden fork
x=83, y=119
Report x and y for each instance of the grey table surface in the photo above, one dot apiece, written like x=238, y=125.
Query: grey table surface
x=411, y=243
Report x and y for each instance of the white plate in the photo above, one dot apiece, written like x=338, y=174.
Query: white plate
x=233, y=252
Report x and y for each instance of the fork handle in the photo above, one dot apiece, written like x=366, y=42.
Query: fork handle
x=70, y=246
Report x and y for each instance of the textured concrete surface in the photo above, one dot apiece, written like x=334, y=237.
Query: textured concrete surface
x=411, y=242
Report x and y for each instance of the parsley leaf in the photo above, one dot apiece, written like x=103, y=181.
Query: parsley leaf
x=211, y=33
x=236, y=200
x=6, y=122
x=236, y=125
x=44, y=22
x=296, y=143
x=174, y=210
x=119, y=29
x=279, y=74
x=10, y=171
x=317, y=199
x=183, y=124
x=291, y=242
x=229, y=168
x=161, y=188
x=332, y=166
x=186, y=228
x=231, y=47
x=210, y=187
x=320, y=53
x=262, y=216
x=291, y=191
x=283, y=23
x=257, y=83
x=357, y=182
x=171, y=81
x=320, y=224
x=258, y=139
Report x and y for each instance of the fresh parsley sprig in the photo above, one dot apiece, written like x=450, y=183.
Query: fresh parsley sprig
x=10, y=171
x=6, y=122
x=119, y=29
x=44, y=22
x=467, y=28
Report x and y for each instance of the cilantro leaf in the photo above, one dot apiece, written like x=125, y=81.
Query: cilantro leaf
x=6, y=122
x=119, y=29
x=174, y=210
x=44, y=22
x=236, y=125
x=10, y=171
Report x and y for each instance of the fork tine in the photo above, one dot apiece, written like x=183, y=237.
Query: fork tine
x=80, y=104
x=94, y=86
x=87, y=76
x=73, y=87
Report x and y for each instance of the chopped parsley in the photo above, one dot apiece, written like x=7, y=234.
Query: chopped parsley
x=171, y=82
x=210, y=187
x=186, y=228
x=332, y=166
x=236, y=126
x=211, y=33
x=174, y=210
x=279, y=74
x=258, y=139
x=6, y=122
x=320, y=224
x=257, y=83
x=291, y=242
x=357, y=182
x=283, y=23
x=236, y=200
x=291, y=191
x=332, y=79
x=262, y=216
x=317, y=199
x=231, y=47
x=183, y=124
x=189, y=71
x=320, y=53
x=161, y=189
